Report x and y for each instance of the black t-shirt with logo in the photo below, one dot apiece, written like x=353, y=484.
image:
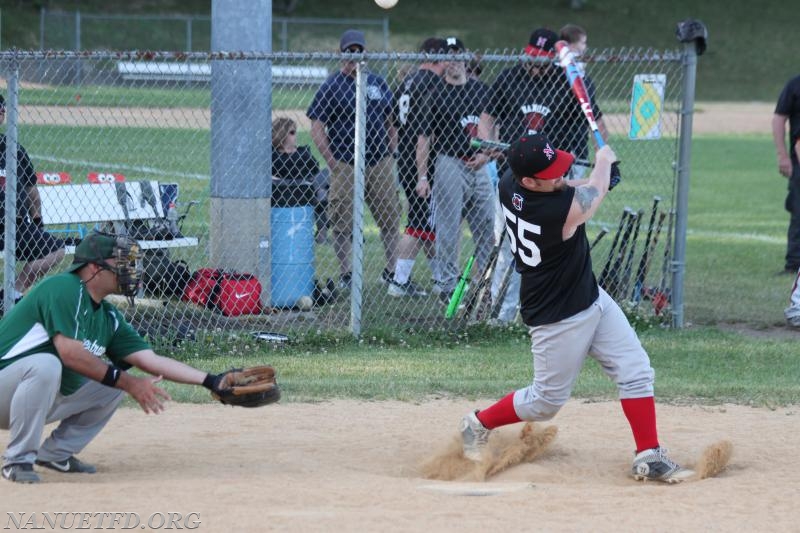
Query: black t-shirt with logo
x=545, y=103
x=412, y=102
x=557, y=279
x=454, y=115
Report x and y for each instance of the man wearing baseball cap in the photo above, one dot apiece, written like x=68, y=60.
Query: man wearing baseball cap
x=64, y=350
x=568, y=315
x=412, y=100
x=534, y=95
x=333, y=127
x=461, y=185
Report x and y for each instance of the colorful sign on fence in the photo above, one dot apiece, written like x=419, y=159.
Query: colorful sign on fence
x=647, y=104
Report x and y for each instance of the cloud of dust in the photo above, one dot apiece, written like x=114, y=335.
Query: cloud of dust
x=503, y=452
x=714, y=459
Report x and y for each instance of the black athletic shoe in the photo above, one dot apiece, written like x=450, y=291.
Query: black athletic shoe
x=70, y=465
x=387, y=276
x=345, y=281
x=20, y=473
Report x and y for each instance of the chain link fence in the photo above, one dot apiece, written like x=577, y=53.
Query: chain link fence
x=125, y=142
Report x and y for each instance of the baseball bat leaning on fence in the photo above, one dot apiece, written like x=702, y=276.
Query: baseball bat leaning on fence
x=627, y=271
x=477, y=294
x=647, y=258
x=645, y=251
x=597, y=238
x=615, y=272
x=458, y=292
x=603, y=279
x=660, y=296
x=567, y=61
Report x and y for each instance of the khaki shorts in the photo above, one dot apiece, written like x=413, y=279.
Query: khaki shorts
x=380, y=193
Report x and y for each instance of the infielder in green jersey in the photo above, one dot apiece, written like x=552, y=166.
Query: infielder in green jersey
x=52, y=345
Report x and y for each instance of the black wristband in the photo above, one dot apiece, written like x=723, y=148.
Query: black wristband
x=112, y=376
x=209, y=381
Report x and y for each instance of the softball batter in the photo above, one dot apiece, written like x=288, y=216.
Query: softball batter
x=569, y=316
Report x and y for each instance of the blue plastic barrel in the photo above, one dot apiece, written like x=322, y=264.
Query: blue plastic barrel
x=292, y=246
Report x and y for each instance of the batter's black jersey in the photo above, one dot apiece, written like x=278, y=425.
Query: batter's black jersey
x=789, y=105
x=412, y=102
x=454, y=115
x=557, y=278
x=520, y=102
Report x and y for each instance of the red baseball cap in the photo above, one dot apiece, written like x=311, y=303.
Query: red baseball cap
x=532, y=156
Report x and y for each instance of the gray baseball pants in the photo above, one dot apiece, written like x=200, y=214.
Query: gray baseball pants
x=29, y=399
x=459, y=191
x=601, y=331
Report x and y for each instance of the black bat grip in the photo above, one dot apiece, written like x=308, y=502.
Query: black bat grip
x=616, y=175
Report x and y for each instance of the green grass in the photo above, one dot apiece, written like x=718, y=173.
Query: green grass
x=735, y=246
x=694, y=365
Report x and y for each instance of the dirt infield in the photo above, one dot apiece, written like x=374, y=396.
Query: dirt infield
x=717, y=117
x=354, y=466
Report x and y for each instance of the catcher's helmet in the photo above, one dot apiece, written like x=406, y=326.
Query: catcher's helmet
x=98, y=246
x=693, y=30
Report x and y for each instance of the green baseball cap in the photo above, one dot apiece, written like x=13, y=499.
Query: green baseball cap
x=94, y=248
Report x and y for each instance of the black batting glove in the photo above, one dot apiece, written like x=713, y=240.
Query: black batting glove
x=616, y=176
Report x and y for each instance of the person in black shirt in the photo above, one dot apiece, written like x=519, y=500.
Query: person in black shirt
x=569, y=316
x=535, y=95
x=412, y=100
x=40, y=250
x=788, y=110
x=297, y=163
x=461, y=186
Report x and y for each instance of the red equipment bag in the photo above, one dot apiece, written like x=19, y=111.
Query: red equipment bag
x=199, y=288
x=231, y=293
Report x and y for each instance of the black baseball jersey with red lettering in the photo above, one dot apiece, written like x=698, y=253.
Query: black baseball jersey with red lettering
x=520, y=102
x=557, y=279
x=412, y=102
x=454, y=115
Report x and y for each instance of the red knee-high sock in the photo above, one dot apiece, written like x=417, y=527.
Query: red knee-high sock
x=641, y=415
x=501, y=413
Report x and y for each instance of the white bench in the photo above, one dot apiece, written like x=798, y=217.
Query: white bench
x=99, y=203
x=201, y=72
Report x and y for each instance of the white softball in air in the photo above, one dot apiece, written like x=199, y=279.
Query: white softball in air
x=305, y=303
x=386, y=4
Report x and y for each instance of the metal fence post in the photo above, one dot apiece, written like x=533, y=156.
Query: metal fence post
x=188, y=34
x=10, y=234
x=678, y=263
x=42, y=16
x=359, y=162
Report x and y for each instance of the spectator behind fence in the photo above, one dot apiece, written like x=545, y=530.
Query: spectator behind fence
x=413, y=103
x=788, y=109
x=297, y=163
x=333, y=123
x=461, y=185
x=40, y=250
x=534, y=95
x=576, y=38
